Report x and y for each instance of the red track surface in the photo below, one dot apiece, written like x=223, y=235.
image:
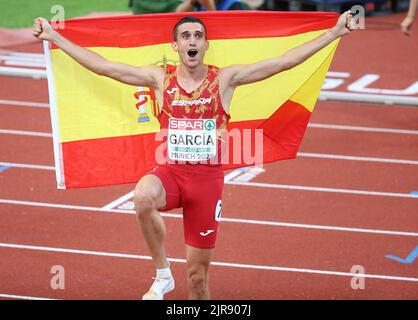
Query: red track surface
x=27, y=272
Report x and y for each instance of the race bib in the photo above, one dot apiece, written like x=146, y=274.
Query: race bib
x=191, y=139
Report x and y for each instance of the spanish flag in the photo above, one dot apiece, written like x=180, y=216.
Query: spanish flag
x=104, y=132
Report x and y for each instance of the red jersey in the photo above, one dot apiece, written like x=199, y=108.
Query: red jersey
x=194, y=120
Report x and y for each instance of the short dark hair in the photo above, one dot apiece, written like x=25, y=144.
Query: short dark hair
x=187, y=19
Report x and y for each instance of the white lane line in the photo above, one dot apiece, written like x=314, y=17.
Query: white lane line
x=6, y=59
x=77, y=207
x=62, y=206
x=25, y=63
x=23, y=72
x=223, y=219
x=26, y=133
x=383, y=99
x=119, y=201
x=356, y=128
x=26, y=166
x=320, y=189
x=354, y=158
x=310, y=226
x=235, y=173
x=228, y=180
x=214, y=263
x=24, y=103
x=25, y=55
x=338, y=74
x=12, y=296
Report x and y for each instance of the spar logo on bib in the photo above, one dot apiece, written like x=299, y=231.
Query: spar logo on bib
x=209, y=125
x=191, y=139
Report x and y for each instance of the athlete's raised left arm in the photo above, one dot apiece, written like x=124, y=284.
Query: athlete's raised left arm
x=236, y=75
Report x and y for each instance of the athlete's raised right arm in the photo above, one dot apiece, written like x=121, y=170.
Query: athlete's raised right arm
x=149, y=76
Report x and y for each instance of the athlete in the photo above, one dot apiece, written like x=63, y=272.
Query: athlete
x=191, y=95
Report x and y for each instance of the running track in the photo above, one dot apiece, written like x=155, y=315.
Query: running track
x=292, y=232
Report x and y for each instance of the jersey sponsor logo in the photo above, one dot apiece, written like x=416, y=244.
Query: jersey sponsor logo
x=197, y=102
x=209, y=125
x=186, y=124
x=206, y=233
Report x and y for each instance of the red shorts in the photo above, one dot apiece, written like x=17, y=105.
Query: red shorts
x=198, y=190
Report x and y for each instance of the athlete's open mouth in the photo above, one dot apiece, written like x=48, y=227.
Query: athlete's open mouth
x=192, y=53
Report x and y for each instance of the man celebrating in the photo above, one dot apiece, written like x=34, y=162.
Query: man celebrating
x=196, y=95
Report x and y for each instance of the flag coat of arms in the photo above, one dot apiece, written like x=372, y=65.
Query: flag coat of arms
x=104, y=131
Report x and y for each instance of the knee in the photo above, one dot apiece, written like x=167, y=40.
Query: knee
x=144, y=204
x=197, y=280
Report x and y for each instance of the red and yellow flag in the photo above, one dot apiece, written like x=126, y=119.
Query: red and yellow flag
x=104, y=131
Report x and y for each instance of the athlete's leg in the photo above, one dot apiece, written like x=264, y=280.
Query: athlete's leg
x=149, y=197
x=198, y=261
x=201, y=214
x=156, y=191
